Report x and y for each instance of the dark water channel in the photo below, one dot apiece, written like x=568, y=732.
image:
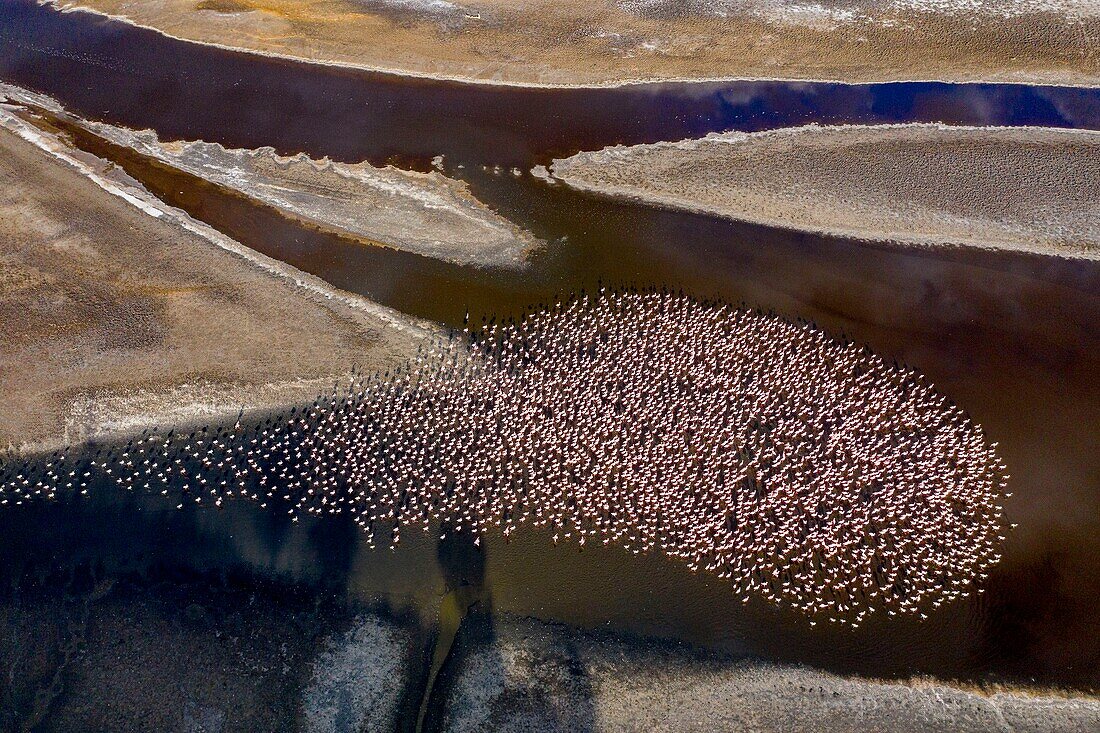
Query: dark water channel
x=1013, y=338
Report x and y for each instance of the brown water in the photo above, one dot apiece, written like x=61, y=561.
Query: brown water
x=1012, y=338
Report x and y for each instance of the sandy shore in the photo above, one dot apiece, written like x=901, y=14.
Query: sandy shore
x=120, y=312
x=1028, y=189
x=574, y=43
x=537, y=676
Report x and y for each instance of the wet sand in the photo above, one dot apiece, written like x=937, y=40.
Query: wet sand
x=521, y=674
x=232, y=651
x=184, y=651
x=122, y=313
x=1026, y=189
x=425, y=213
x=574, y=43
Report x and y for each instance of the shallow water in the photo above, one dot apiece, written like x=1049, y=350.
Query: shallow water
x=1013, y=338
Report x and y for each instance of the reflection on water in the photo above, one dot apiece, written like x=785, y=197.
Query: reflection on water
x=462, y=560
x=1013, y=338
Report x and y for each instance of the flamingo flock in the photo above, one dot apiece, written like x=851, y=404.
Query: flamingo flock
x=798, y=467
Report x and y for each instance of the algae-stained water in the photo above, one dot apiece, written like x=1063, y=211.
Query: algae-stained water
x=1013, y=338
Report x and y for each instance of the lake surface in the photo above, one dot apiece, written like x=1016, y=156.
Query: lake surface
x=1013, y=338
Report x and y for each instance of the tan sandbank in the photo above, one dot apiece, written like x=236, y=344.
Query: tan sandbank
x=1029, y=189
x=601, y=42
x=121, y=313
x=425, y=213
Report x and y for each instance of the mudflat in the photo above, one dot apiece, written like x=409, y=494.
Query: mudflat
x=584, y=42
x=1028, y=189
x=526, y=674
x=118, y=314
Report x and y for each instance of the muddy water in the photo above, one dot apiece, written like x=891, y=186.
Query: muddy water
x=1013, y=338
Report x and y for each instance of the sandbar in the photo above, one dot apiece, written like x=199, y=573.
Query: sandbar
x=1023, y=189
x=429, y=214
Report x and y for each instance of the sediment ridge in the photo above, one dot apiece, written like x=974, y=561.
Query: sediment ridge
x=1024, y=189
x=428, y=214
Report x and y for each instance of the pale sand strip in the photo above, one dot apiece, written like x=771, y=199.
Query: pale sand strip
x=425, y=213
x=1023, y=189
